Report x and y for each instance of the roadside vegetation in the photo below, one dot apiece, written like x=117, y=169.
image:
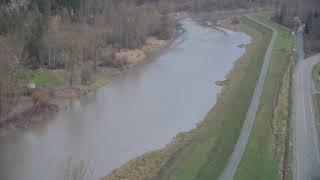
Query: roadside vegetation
x=305, y=11
x=316, y=80
x=266, y=152
x=203, y=152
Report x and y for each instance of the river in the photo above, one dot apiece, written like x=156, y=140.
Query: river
x=139, y=111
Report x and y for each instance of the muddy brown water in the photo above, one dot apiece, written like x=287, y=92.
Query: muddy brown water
x=139, y=111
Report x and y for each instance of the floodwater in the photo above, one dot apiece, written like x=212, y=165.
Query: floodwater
x=139, y=111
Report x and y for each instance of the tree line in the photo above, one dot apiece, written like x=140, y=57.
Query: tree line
x=306, y=10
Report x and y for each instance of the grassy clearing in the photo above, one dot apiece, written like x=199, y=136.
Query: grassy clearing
x=44, y=78
x=213, y=141
x=260, y=159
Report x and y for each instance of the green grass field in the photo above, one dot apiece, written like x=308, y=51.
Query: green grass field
x=44, y=78
x=207, y=154
x=258, y=162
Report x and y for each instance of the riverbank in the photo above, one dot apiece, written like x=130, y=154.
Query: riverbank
x=212, y=141
x=266, y=155
x=54, y=84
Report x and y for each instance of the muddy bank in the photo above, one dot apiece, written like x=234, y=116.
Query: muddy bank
x=28, y=115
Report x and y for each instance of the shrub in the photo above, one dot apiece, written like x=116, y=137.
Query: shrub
x=235, y=21
x=85, y=75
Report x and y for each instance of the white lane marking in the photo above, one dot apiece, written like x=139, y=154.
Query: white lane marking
x=304, y=105
x=298, y=165
x=308, y=152
x=297, y=146
x=296, y=123
x=295, y=126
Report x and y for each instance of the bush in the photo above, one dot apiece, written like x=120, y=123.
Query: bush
x=40, y=95
x=85, y=76
x=235, y=21
x=110, y=61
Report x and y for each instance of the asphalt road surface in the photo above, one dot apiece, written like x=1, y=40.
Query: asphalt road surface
x=306, y=160
x=240, y=147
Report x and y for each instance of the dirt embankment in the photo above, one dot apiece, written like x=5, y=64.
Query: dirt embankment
x=147, y=166
x=27, y=114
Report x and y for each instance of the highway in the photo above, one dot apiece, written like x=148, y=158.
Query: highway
x=240, y=147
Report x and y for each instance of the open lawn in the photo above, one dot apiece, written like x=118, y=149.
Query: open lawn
x=44, y=77
x=213, y=141
x=259, y=160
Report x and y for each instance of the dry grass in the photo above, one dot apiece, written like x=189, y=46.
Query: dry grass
x=80, y=171
x=230, y=23
x=147, y=166
x=281, y=123
x=130, y=56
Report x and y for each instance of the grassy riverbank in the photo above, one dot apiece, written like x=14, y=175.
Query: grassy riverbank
x=265, y=150
x=203, y=152
x=207, y=154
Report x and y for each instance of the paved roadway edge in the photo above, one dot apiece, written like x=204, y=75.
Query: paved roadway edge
x=310, y=63
x=239, y=149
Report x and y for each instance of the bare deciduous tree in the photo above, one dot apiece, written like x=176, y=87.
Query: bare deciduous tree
x=72, y=57
x=11, y=76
